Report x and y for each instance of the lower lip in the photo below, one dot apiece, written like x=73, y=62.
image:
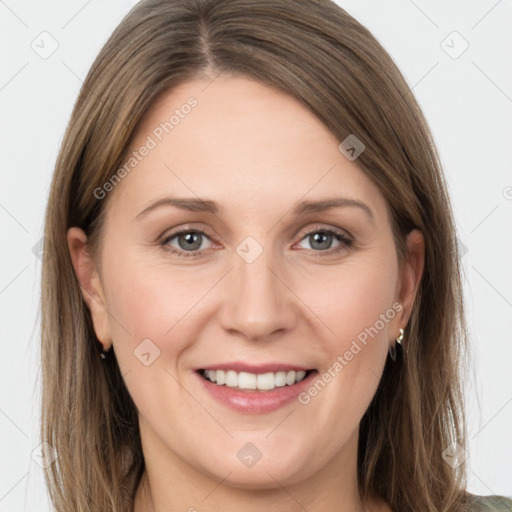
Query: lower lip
x=254, y=401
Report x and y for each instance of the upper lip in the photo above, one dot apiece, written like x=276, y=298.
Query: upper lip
x=255, y=368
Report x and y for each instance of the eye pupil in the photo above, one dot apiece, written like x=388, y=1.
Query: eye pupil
x=190, y=238
x=317, y=238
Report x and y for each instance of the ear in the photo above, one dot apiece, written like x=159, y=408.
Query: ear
x=90, y=284
x=410, y=276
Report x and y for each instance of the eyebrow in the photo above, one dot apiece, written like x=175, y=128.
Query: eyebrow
x=301, y=208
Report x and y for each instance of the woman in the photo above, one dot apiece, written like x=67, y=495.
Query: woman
x=200, y=350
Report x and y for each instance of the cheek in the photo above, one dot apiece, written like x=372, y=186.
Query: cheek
x=358, y=310
x=146, y=302
x=153, y=312
x=355, y=295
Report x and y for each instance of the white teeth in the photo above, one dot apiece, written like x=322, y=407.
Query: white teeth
x=245, y=380
x=266, y=381
x=290, y=378
x=280, y=379
x=220, y=377
x=231, y=378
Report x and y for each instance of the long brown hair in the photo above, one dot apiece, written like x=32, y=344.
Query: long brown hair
x=316, y=52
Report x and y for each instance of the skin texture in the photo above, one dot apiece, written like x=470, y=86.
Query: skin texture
x=256, y=151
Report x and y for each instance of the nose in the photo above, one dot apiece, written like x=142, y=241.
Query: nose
x=258, y=303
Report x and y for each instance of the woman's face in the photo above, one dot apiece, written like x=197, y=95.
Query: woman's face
x=259, y=282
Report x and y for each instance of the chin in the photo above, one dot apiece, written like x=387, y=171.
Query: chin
x=266, y=473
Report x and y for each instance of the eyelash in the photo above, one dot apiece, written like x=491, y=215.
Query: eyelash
x=340, y=236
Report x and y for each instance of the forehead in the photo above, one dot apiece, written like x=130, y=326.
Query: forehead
x=240, y=142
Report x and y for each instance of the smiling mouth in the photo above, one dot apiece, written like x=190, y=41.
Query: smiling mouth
x=246, y=381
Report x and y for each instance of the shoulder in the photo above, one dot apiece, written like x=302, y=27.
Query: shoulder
x=492, y=503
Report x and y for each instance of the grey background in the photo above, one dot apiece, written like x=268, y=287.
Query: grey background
x=467, y=99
